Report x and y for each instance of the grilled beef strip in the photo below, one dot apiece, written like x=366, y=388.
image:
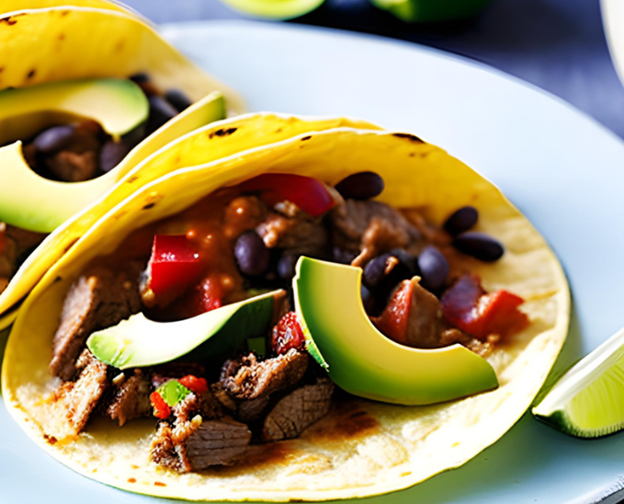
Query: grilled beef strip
x=76, y=400
x=367, y=228
x=130, y=396
x=298, y=410
x=201, y=436
x=98, y=299
x=248, y=378
x=297, y=234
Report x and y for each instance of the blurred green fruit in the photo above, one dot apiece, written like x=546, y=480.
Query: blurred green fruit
x=431, y=11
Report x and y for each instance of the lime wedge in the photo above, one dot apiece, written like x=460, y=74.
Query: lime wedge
x=432, y=11
x=275, y=9
x=588, y=400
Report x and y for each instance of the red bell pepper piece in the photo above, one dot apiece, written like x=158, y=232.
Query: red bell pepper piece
x=468, y=307
x=174, y=264
x=197, y=385
x=309, y=194
x=161, y=409
x=393, y=320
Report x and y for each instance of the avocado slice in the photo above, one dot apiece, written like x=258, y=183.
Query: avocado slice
x=364, y=362
x=140, y=342
x=118, y=105
x=35, y=203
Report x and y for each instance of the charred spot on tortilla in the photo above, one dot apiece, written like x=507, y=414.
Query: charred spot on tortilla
x=149, y=205
x=223, y=132
x=57, y=279
x=65, y=13
x=131, y=480
x=346, y=420
x=10, y=20
x=132, y=179
x=408, y=136
x=50, y=439
x=31, y=74
x=306, y=138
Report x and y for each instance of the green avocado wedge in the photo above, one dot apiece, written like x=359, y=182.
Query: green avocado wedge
x=140, y=342
x=118, y=105
x=432, y=11
x=364, y=362
x=32, y=202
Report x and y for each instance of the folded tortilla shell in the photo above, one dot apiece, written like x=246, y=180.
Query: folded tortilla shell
x=361, y=448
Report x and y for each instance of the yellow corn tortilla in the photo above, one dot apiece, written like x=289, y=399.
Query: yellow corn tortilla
x=205, y=145
x=19, y=5
x=361, y=448
x=67, y=42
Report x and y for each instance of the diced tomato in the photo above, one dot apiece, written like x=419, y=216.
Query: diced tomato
x=174, y=264
x=287, y=334
x=393, y=320
x=194, y=384
x=161, y=409
x=309, y=194
x=209, y=295
x=469, y=308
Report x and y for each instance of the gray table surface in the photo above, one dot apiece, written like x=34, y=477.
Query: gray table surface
x=558, y=45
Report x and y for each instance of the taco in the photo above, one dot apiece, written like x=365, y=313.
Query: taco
x=83, y=102
x=243, y=405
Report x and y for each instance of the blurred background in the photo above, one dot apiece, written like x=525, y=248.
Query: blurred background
x=557, y=45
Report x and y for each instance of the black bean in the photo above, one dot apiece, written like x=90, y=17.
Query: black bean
x=479, y=245
x=160, y=111
x=54, y=139
x=139, y=77
x=369, y=301
x=111, y=154
x=461, y=220
x=378, y=279
x=375, y=271
x=286, y=265
x=434, y=268
x=251, y=254
x=406, y=259
x=361, y=186
x=178, y=99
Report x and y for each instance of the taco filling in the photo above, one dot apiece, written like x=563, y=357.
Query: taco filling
x=213, y=408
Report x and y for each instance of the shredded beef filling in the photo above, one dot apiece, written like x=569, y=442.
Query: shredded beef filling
x=367, y=228
x=130, y=397
x=76, y=400
x=248, y=378
x=255, y=400
x=100, y=298
x=298, y=410
x=200, y=436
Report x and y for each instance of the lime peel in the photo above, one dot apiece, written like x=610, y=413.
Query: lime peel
x=588, y=400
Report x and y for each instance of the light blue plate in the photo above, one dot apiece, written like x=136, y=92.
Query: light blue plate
x=562, y=169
